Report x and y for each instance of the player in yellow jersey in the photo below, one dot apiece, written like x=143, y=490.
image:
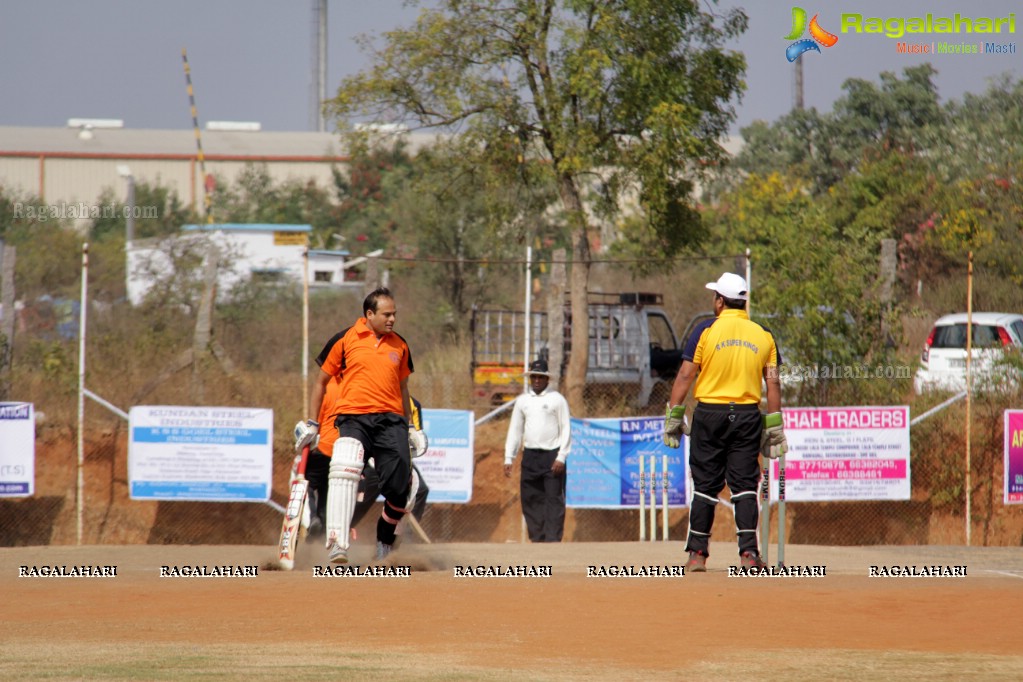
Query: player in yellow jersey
x=730, y=358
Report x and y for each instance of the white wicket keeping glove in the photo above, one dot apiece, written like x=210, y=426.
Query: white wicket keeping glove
x=675, y=425
x=307, y=433
x=772, y=442
x=418, y=443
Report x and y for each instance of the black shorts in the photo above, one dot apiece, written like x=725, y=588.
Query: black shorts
x=384, y=439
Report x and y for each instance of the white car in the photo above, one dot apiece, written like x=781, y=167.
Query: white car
x=943, y=361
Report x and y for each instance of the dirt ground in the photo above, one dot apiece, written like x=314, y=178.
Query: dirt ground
x=435, y=626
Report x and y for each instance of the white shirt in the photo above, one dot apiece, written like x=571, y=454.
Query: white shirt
x=541, y=421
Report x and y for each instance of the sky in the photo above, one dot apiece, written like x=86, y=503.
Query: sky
x=251, y=60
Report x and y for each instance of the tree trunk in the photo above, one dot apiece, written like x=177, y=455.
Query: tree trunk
x=204, y=325
x=556, y=288
x=575, y=377
x=7, y=258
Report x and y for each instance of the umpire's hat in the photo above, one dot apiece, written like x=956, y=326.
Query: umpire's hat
x=538, y=367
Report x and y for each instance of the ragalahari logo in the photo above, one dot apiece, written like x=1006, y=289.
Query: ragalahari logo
x=817, y=35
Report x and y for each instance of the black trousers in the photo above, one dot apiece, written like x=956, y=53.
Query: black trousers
x=384, y=438
x=724, y=448
x=543, y=496
x=316, y=472
x=369, y=486
x=317, y=468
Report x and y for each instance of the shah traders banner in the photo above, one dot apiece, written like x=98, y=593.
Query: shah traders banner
x=17, y=450
x=845, y=453
x=603, y=466
x=209, y=454
x=447, y=466
x=1014, y=457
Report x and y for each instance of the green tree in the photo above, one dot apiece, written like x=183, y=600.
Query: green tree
x=976, y=140
x=158, y=212
x=254, y=197
x=49, y=249
x=464, y=215
x=868, y=121
x=626, y=95
x=814, y=277
x=377, y=173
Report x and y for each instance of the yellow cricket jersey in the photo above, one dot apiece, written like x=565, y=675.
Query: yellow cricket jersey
x=731, y=352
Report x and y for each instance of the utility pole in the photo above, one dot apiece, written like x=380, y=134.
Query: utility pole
x=797, y=99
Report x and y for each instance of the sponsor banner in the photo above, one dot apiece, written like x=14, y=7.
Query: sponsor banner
x=208, y=454
x=17, y=449
x=1014, y=457
x=447, y=466
x=603, y=466
x=845, y=453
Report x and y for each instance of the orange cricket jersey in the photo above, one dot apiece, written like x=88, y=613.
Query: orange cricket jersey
x=370, y=370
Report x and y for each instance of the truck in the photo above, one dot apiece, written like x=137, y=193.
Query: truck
x=632, y=344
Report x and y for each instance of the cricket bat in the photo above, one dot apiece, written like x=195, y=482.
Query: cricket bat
x=293, y=514
x=765, y=508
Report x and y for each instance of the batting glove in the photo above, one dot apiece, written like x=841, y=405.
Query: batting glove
x=418, y=443
x=307, y=433
x=772, y=442
x=675, y=425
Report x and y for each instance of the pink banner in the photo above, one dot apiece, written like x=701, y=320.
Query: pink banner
x=846, y=418
x=1014, y=457
x=851, y=469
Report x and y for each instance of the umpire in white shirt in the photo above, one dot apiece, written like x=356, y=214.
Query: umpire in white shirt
x=540, y=426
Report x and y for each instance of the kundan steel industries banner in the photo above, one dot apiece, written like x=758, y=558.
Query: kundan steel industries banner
x=447, y=466
x=1014, y=457
x=17, y=450
x=209, y=454
x=603, y=465
x=845, y=453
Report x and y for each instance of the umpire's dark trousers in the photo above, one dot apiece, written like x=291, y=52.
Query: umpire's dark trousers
x=543, y=495
x=724, y=445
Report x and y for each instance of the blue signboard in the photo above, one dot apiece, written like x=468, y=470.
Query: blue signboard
x=603, y=467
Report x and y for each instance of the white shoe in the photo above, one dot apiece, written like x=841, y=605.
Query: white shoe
x=383, y=550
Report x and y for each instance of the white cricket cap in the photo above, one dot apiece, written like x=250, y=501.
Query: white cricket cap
x=730, y=285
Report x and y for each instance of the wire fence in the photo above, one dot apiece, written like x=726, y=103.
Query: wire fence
x=136, y=359
x=933, y=515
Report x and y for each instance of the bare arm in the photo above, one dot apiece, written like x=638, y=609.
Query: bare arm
x=316, y=394
x=406, y=401
x=683, y=382
x=773, y=380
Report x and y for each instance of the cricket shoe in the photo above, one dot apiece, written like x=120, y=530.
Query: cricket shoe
x=383, y=550
x=316, y=530
x=337, y=554
x=697, y=563
x=751, y=560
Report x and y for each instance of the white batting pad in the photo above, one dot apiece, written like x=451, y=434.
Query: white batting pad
x=343, y=485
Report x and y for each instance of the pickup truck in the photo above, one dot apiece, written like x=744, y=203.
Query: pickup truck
x=632, y=343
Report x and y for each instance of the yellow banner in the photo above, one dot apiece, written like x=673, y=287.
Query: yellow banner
x=290, y=239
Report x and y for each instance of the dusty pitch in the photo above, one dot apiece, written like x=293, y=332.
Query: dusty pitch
x=436, y=626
